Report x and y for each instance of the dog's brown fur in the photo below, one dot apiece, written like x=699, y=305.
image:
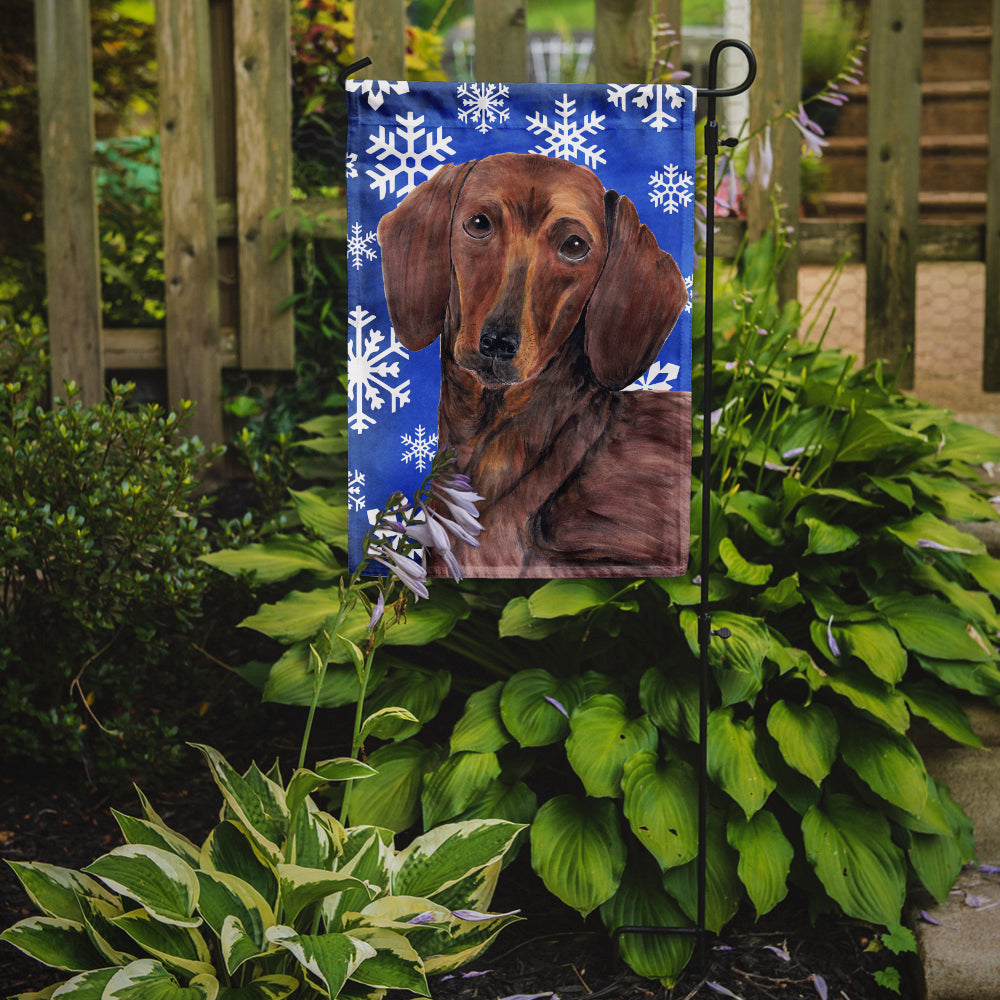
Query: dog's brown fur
x=550, y=298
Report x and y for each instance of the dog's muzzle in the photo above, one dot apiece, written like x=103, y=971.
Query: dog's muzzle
x=499, y=342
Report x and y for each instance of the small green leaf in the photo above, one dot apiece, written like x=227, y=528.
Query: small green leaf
x=807, y=736
x=481, y=727
x=561, y=598
x=739, y=569
x=671, y=699
x=732, y=760
x=828, y=539
x=517, y=620
x=765, y=858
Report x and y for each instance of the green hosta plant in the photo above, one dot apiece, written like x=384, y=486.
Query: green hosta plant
x=279, y=900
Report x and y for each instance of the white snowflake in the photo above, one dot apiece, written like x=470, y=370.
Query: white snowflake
x=361, y=246
x=484, y=104
x=417, y=447
x=355, y=484
x=566, y=138
x=371, y=371
x=661, y=94
x=410, y=168
x=351, y=165
x=377, y=89
x=658, y=377
x=689, y=285
x=671, y=188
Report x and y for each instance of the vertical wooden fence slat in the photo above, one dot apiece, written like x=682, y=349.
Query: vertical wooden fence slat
x=190, y=254
x=776, y=36
x=501, y=41
x=380, y=34
x=893, y=183
x=621, y=40
x=72, y=257
x=262, y=61
x=991, y=331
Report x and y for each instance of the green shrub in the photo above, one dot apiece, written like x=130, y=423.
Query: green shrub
x=280, y=899
x=99, y=546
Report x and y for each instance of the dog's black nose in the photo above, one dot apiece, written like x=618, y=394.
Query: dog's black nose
x=499, y=342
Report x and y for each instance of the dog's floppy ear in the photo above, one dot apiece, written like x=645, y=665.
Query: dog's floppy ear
x=636, y=301
x=416, y=257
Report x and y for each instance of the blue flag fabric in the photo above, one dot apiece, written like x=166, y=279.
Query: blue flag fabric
x=639, y=142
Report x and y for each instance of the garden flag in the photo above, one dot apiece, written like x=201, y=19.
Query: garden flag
x=520, y=265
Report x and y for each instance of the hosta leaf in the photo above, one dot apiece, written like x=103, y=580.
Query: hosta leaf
x=395, y=964
x=275, y=987
x=758, y=511
x=739, y=569
x=417, y=690
x=391, y=798
x=957, y=501
x=292, y=681
x=225, y=897
x=517, y=620
x=876, y=646
x=641, y=901
x=328, y=520
x=441, y=857
x=827, y=539
x=870, y=435
x=888, y=763
x=928, y=528
x=180, y=948
x=671, y=699
x=937, y=860
x=941, y=709
x=931, y=628
x=279, y=558
x=330, y=959
x=976, y=678
x=147, y=979
x=765, y=858
x=54, y=941
x=559, y=598
x=723, y=889
x=230, y=849
x=456, y=784
x=159, y=881
x=732, y=760
x=866, y=692
x=530, y=706
x=387, y=723
x=807, y=736
x=301, y=887
x=304, y=782
x=516, y=803
x=661, y=799
x=481, y=728
x=850, y=848
x=142, y=831
x=367, y=853
x=986, y=571
x=965, y=443
x=738, y=661
x=601, y=739
x=87, y=986
x=783, y=595
x=465, y=941
x=56, y=891
x=578, y=851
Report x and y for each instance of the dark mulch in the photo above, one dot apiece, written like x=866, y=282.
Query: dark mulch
x=551, y=951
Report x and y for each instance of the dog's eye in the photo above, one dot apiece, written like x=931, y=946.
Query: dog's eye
x=478, y=226
x=574, y=248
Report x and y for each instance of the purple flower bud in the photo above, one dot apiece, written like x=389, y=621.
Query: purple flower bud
x=427, y=917
x=557, y=704
x=834, y=648
x=410, y=573
x=377, y=612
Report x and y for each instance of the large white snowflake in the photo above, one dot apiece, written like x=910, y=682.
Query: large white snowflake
x=372, y=371
x=355, y=486
x=377, y=89
x=361, y=246
x=658, y=377
x=566, y=138
x=483, y=104
x=660, y=95
x=418, y=448
x=672, y=188
x=410, y=167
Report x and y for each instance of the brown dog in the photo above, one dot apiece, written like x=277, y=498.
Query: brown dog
x=550, y=298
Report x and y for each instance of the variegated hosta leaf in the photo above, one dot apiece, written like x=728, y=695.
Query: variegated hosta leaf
x=328, y=959
x=304, y=782
x=54, y=941
x=225, y=897
x=481, y=727
x=732, y=760
x=86, y=986
x=56, y=891
x=578, y=851
x=765, y=858
x=256, y=801
x=456, y=784
x=441, y=857
x=850, y=847
x=475, y=891
x=642, y=902
x=230, y=849
x=158, y=880
x=661, y=799
x=141, y=831
x=116, y=946
x=367, y=854
x=315, y=838
x=300, y=887
x=602, y=737
x=807, y=736
x=275, y=987
x=147, y=979
x=468, y=939
x=395, y=964
x=177, y=947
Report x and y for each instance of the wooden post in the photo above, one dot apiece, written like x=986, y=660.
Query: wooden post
x=991, y=332
x=501, y=41
x=893, y=183
x=72, y=255
x=776, y=35
x=380, y=34
x=262, y=60
x=190, y=254
x=622, y=40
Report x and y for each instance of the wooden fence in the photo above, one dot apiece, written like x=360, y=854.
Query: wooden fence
x=226, y=161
